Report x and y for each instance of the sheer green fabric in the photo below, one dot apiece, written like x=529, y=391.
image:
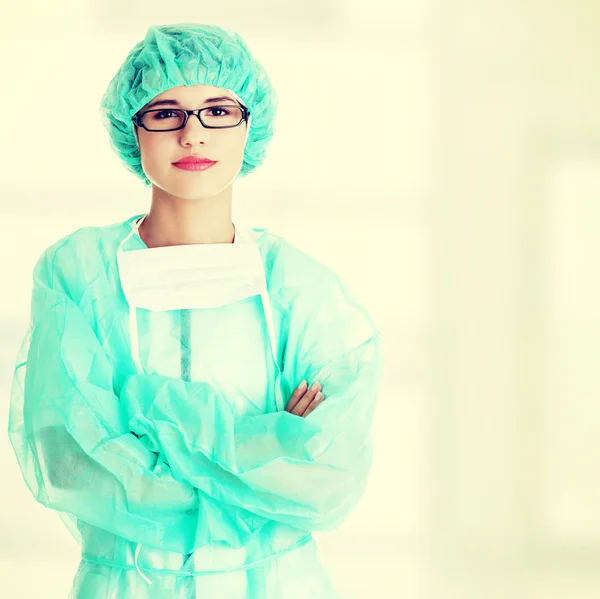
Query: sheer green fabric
x=177, y=466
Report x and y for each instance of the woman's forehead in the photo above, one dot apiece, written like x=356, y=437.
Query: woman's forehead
x=192, y=94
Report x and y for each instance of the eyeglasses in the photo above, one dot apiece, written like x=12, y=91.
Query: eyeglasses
x=171, y=119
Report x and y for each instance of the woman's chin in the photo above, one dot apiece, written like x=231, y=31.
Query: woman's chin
x=196, y=192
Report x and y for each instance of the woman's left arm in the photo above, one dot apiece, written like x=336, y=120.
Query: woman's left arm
x=307, y=472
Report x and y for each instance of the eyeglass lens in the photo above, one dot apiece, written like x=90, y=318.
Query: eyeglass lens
x=169, y=118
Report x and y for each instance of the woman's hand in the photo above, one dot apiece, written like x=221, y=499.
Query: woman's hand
x=304, y=401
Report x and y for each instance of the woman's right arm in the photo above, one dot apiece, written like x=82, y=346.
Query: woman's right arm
x=73, y=443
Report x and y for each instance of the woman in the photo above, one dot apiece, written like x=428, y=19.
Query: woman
x=148, y=400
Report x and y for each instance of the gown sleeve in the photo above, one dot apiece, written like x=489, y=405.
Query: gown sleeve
x=309, y=473
x=73, y=443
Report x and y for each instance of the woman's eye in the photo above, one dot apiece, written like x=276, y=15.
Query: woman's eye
x=163, y=114
x=219, y=109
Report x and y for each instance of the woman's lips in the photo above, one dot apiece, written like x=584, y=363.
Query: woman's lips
x=194, y=166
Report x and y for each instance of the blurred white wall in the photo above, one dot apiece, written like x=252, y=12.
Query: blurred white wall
x=467, y=225
x=515, y=351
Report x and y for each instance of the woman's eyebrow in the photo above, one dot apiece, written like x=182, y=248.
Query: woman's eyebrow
x=176, y=103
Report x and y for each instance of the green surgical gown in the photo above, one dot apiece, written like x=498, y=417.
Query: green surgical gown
x=201, y=484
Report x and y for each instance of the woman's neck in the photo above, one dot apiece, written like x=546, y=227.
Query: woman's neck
x=187, y=222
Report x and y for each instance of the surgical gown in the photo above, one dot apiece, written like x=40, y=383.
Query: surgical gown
x=193, y=487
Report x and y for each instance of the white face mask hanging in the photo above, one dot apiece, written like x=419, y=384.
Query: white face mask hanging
x=187, y=277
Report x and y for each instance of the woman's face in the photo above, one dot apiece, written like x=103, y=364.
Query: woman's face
x=160, y=149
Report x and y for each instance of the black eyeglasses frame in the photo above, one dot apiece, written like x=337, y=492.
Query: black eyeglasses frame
x=137, y=118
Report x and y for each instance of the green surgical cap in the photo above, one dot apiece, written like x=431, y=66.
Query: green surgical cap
x=188, y=54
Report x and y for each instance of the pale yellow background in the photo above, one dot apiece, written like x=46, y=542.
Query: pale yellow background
x=444, y=157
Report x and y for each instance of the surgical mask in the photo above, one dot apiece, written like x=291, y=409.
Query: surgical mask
x=198, y=276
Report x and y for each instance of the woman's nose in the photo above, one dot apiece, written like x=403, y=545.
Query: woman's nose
x=194, y=131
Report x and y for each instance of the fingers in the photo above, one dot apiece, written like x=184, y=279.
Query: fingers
x=309, y=396
x=314, y=404
x=305, y=401
x=296, y=396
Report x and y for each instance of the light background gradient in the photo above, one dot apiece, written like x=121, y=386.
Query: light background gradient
x=444, y=158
